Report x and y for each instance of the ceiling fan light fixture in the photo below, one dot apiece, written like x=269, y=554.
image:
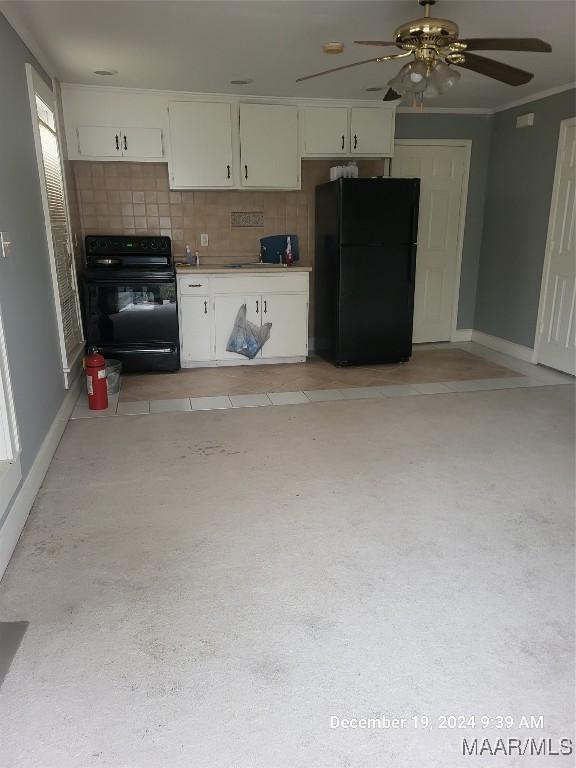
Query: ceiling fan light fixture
x=397, y=82
x=414, y=77
x=443, y=76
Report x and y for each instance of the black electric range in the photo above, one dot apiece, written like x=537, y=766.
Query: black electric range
x=130, y=309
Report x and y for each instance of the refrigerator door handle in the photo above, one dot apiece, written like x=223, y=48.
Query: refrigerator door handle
x=412, y=265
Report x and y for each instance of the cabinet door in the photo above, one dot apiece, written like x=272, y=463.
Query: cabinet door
x=142, y=143
x=372, y=131
x=325, y=131
x=200, y=144
x=99, y=141
x=269, y=146
x=195, y=328
x=225, y=310
x=288, y=314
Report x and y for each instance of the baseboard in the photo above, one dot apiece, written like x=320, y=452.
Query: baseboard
x=503, y=345
x=22, y=504
x=462, y=334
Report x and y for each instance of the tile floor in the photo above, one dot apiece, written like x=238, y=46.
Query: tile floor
x=429, y=363
x=514, y=374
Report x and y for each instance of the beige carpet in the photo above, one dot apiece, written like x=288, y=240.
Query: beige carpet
x=426, y=365
x=207, y=590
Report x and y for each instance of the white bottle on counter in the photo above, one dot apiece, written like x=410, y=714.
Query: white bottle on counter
x=189, y=257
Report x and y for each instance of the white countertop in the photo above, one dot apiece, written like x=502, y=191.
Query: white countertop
x=264, y=269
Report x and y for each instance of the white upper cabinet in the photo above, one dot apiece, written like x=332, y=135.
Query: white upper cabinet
x=372, y=131
x=219, y=142
x=142, y=143
x=325, y=131
x=99, y=141
x=106, y=143
x=200, y=144
x=269, y=156
x=113, y=124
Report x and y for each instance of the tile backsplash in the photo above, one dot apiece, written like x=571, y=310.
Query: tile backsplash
x=134, y=198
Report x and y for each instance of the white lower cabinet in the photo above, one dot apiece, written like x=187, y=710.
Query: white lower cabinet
x=289, y=317
x=195, y=328
x=207, y=319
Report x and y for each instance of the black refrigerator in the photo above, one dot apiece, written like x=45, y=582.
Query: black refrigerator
x=366, y=234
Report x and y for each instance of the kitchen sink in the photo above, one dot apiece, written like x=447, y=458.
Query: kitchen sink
x=254, y=265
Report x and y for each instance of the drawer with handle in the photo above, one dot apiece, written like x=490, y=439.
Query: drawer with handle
x=192, y=285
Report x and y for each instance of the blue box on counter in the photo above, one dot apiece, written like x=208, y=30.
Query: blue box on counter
x=273, y=248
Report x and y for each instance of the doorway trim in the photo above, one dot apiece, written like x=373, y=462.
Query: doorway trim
x=567, y=122
x=455, y=333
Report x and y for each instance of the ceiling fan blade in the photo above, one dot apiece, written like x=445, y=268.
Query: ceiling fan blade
x=391, y=95
x=495, y=69
x=372, y=42
x=337, y=69
x=507, y=44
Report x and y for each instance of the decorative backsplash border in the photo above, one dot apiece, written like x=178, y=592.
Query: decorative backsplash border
x=245, y=219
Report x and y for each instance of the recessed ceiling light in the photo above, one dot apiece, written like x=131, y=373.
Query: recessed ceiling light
x=374, y=88
x=333, y=47
x=241, y=81
x=105, y=72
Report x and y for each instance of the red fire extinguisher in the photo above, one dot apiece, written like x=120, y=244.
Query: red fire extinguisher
x=96, y=383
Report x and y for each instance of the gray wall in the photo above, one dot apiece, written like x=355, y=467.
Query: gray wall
x=453, y=126
x=25, y=285
x=518, y=195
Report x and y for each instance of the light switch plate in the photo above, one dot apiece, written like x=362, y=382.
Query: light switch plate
x=5, y=245
x=204, y=239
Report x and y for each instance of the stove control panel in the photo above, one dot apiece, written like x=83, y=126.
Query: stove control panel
x=116, y=245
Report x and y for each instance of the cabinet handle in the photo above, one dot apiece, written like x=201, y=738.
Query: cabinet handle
x=117, y=142
x=194, y=285
x=205, y=307
x=355, y=141
x=257, y=306
x=228, y=170
x=265, y=307
x=245, y=171
x=125, y=142
x=342, y=141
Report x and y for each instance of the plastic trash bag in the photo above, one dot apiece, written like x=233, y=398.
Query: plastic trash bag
x=246, y=338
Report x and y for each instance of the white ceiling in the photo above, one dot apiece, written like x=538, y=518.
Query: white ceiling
x=201, y=46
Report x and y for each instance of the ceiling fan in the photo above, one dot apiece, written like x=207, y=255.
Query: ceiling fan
x=434, y=49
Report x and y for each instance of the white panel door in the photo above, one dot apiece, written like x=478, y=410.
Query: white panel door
x=99, y=141
x=372, y=131
x=195, y=328
x=200, y=144
x=325, y=131
x=288, y=314
x=269, y=146
x=142, y=143
x=557, y=328
x=441, y=170
x=225, y=310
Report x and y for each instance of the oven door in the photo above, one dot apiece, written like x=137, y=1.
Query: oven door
x=134, y=320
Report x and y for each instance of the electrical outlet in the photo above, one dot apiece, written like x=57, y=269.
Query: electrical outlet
x=5, y=244
x=204, y=239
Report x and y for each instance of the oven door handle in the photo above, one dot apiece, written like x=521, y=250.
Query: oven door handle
x=129, y=282
x=140, y=350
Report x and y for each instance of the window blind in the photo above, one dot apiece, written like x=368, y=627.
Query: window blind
x=63, y=257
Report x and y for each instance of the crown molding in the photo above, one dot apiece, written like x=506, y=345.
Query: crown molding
x=19, y=26
x=535, y=97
